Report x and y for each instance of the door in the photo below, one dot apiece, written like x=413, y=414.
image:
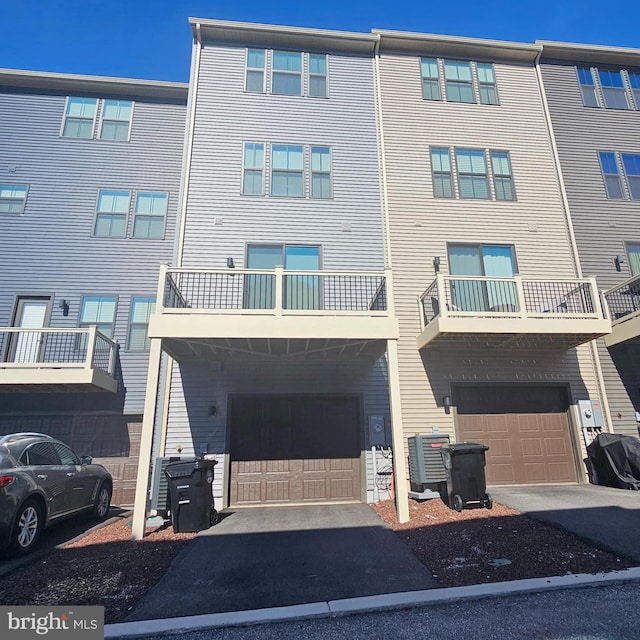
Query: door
x=80, y=480
x=490, y=261
x=30, y=314
x=43, y=462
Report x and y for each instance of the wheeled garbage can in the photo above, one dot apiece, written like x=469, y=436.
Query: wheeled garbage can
x=464, y=464
x=191, y=497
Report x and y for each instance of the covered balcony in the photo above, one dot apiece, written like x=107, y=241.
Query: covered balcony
x=623, y=301
x=220, y=313
x=56, y=360
x=477, y=312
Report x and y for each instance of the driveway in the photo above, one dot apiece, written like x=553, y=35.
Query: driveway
x=609, y=518
x=270, y=557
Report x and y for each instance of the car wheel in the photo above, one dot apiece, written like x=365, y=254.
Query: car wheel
x=27, y=528
x=103, y=501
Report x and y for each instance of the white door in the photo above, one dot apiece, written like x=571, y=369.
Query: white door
x=31, y=315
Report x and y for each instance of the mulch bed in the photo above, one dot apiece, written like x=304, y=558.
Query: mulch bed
x=481, y=545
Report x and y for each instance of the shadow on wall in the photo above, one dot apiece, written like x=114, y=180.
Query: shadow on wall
x=626, y=358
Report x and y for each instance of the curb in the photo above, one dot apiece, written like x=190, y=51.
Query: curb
x=365, y=604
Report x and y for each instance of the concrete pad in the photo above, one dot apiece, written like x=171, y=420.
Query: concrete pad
x=275, y=557
x=609, y=518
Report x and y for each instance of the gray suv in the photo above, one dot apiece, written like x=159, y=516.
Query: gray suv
x=41, y=481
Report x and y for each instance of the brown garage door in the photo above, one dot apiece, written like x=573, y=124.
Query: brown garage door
x=294, y=450
x=525, y=428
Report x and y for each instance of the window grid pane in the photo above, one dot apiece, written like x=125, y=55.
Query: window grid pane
x=441, y=171
x=116, y=119
x=141, y=310
x=502, y=177
x=612, y=181
x=587, y=87
x=430, y=79
x=472, y=173
x=631, y=164
x=12, y=198
x=99, y=311
x=254, y=81
x=287, y=73
x=320, y=172
x=317, y=76
x=150, y=213
x=111, y=213
x=79, y=117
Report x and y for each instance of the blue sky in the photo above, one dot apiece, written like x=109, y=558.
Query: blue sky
x=151, y=38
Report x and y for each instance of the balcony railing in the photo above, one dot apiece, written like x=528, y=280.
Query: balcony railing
x=56, y=349
x=274, y=292
x=624, y=300
x=474, y=296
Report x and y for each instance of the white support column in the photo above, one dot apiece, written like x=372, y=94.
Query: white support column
x=148, y=422
x=397, y=434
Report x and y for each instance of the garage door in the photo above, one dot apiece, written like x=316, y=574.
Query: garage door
x=294, y=450
x=525, y=428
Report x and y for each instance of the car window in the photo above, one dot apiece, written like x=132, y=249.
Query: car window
x=66, y=455
x=41, y=453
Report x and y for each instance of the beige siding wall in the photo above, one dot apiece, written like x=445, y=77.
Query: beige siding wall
x=421, y=226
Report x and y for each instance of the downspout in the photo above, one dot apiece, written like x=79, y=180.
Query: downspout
x=595, y=359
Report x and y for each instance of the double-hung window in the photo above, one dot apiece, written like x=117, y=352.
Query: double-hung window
x=253, y=169
x=100, y=311
x=254, y=80
x=79, y=117
x=141, y=310
x=472, y=173
x=287, y=170
x=318, y=86
x=631, y=165
x=611, y=173
x=587, y=87
x=458, y=81
x=633, y=251
x=487, y=83
x=613, y=91
x=116, y=119
x=430, y=79
x=441, y=171
x=149, y=215
x=286, y=73
x=502, y=176
x=634, y=82
x=320, y=172
x=13, y=198
x=112, y=210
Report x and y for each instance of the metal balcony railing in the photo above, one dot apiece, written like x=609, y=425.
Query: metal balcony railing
x=623, y=300
x=56, y=349
x=475, y=296
x=273, y=292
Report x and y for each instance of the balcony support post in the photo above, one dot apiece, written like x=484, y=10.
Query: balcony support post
x=91, y=346
x=148, y=423
x=397, y=434
x=279, y=301
x=162, y=283
x=442, y=299
x=522, y=301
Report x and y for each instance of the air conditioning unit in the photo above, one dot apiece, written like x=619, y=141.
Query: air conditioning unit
x=425, y=461
x=159, y=485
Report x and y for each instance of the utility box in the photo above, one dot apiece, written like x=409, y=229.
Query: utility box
x=425, y=461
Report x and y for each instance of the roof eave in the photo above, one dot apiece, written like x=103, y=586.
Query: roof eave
x=589, y=53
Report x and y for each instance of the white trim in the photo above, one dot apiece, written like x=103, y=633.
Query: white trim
x=101, y=125
x=64, y=119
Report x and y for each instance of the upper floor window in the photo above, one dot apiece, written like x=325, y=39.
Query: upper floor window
x=116, y=119
x=79, y=117
x=287, y=168
x=253, y=169
x=149, y=215
x=320, y=172
x=633, y=251
x=141, y=310
x=318, y=87
x=609, y=88
x=100, y=311
x=112, y=210
x=462, y=81
x=621, y=173
x=293, y=73
x=472, y=172
x=13, y=198
x=254, y=80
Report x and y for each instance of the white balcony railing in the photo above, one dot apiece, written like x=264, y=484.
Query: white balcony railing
x=273, y=292
x=623, y=300
x=474, y=296
x=57, y=349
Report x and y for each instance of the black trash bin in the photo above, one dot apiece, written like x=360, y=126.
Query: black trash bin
x=466, y=485
x=192, y=507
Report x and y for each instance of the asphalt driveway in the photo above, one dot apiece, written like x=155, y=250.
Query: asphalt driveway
x=608, y=518
x=269, y=557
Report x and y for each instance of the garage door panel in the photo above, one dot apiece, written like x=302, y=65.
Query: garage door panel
x=535, y=472
x=249, y=492
x=500, y=474
x=555, y=447
x=499, y=447
x=315, y=490
x=277, y=491
x=531, y=447
x=528, y=424
x=561, y=472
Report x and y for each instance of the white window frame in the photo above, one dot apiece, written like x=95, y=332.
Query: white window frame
x=10, y=198
x=458, y=82
x=100, y=298
x=442, y=174
x=321, y=173
x=275, y=71
x=152, y=302
x=607, y=176
x=502, y=176
x=246, y=168
x=262, y=69
x=318, y=75
x=137, y=215
x=437, y=78
x=483, y=83
x=65, y=115
x=301, y=172
x=98, y=213
x=103, y=119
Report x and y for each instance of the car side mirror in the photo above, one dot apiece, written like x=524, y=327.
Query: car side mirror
x=86, y=460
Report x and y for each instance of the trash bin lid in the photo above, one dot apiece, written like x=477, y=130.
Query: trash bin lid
x=181, y=468
x=460, y=448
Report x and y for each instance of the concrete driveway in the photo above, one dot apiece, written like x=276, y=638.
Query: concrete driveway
x=609, y=518
x=270, y=557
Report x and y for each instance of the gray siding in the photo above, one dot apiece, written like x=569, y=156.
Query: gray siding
x=601, y=226
x=421, y=226
x=50, y=249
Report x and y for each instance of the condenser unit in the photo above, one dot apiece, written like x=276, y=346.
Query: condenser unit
x=425, y=461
